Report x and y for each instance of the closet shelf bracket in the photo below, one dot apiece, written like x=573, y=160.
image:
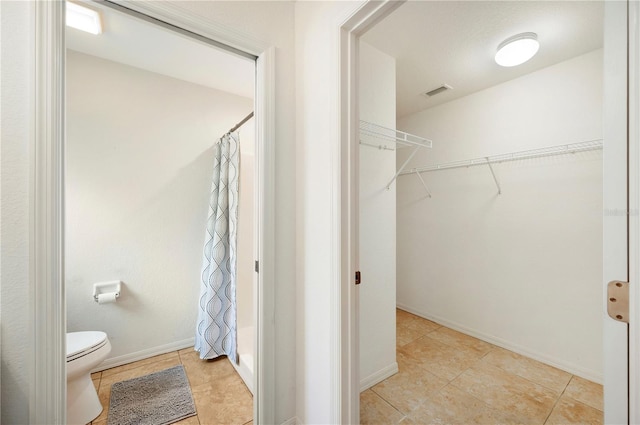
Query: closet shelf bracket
x=424, y=184
x=404, y=165
x=493, y=174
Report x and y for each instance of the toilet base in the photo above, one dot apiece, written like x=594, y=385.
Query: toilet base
x=83, y=404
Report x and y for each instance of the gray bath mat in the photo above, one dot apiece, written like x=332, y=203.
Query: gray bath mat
x=159, y=398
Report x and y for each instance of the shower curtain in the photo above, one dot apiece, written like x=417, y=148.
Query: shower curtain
x=216, y=327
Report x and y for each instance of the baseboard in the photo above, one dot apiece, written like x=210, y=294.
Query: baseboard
x=551, y=361
x=291, y=421
x=378, y=376
x=144, y=354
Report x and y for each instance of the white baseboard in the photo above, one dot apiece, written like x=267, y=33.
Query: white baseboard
x=144, y=354
x=378, y=376
x=573, y=369
x=291, y=421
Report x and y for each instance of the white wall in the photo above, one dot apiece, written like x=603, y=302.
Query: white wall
x=16, y=134
x=139, y=162
x=377, y=221
x=522, y=269
x=318, y=203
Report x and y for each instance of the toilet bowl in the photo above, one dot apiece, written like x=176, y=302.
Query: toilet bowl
x=85, y=351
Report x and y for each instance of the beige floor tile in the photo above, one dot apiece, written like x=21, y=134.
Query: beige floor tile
x=406, y=335
x=375, y=411
x=461, y=341
x=192, y=420
x=540, y=373
x=96, y=375
x=586, y=392
x=154, y=359
x=530, y=403
x=452, y=405
x=227, y=402
x=440, y=359
x=569, y=411
x=409, y=388
x=421, y=325
x=201, y=372
x=404, y=360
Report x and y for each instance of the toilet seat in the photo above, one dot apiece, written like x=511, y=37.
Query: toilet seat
x=79, y=344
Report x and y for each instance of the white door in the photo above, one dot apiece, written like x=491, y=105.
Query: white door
x=616, y=206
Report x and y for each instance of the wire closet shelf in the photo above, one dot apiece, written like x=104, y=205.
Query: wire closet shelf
x=381, y=134
x=513, y=156
x=571, y=148
x=378, y=135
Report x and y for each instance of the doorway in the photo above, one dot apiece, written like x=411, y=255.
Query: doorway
x=49, y=400
x=415, y=192
x=145, y=106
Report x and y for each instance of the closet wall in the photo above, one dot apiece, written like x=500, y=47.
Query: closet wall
x=377, y=221
x=522, y=269
x=139, y=167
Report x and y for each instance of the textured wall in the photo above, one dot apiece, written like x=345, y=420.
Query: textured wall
x=139, y=164
x=377, y=220
x=522, y=269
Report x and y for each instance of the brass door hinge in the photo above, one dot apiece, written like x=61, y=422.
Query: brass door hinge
x=358, y=278
x=618, y=300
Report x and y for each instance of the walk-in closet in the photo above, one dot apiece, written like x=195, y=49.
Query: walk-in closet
x=481, y=214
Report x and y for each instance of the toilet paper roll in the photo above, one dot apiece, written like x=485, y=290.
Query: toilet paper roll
x=109, y=297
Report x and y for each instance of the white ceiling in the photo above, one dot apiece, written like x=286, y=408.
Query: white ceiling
x=137, y=43
x=436, y=42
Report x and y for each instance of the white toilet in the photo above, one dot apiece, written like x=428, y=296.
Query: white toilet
x=85, y=351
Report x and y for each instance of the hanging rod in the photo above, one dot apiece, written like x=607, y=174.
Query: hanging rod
x=244, y=120
x=391, y=135
x=590, y=145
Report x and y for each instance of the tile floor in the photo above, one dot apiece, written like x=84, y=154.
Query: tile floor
x=447, y=377
x=218, y=391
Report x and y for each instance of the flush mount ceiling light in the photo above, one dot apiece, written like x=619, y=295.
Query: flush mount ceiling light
x=83, y=18
x=517, y=49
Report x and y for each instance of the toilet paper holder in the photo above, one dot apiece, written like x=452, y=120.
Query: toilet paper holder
x=106, y=288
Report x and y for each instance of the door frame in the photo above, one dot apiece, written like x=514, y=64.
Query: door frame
x=47, y=310
x=367, y=15
x=348, y=350
x=633, y=126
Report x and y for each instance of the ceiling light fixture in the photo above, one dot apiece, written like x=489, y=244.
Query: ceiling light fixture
x=83, y=18
x=517, y=49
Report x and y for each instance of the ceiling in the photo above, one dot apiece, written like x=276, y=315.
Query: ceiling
x=452, y=42
x=137, y=43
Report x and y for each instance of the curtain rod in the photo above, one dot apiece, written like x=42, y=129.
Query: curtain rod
x=237, y=126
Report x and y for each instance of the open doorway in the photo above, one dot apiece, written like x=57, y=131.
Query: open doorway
x=490, y=240
x=145, y=106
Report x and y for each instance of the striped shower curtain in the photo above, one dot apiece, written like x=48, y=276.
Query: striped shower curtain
x=216, y=327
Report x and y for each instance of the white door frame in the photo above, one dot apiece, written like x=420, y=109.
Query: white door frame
x=350, y=30
x=47, y=396
x=634, y=207
x=348, y=353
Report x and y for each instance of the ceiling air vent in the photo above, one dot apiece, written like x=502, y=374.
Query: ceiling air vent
x=438, y=90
